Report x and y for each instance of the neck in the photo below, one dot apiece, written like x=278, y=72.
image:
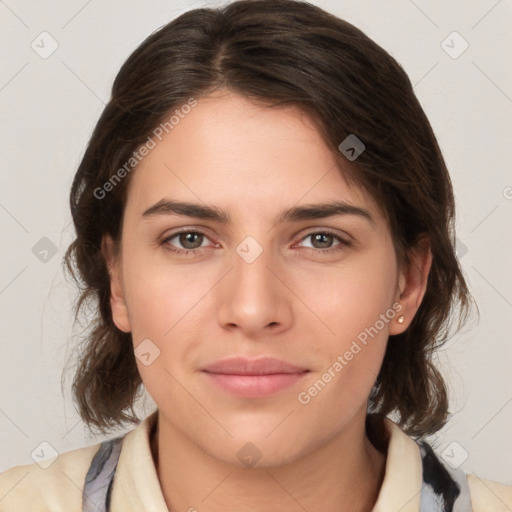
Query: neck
x=346, y=473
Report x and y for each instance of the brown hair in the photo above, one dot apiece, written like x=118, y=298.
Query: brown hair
x=278, y=52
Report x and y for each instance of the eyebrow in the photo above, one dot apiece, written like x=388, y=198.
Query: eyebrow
x=294, y=214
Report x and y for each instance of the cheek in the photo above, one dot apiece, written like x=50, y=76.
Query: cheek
x=354, y=304
x=348, y=298
x=160, y=295
x=166, y=305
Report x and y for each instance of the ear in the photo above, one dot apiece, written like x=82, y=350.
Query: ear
x=412, y=284
x=117, y=297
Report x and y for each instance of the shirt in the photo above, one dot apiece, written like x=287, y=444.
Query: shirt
x=119, y=475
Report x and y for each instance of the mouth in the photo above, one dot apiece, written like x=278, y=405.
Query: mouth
x=254, y=378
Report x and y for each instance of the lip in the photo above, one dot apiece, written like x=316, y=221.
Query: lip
x=260, y=366
x=253, y=378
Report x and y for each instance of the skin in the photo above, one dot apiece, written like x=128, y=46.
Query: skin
x=290, y=303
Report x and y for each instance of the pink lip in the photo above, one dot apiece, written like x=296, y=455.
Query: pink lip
x=252, y=378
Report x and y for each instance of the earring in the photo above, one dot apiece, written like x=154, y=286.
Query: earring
x=400, y=319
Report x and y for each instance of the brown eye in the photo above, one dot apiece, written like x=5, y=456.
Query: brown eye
x=187, y=242
x=190, y=240
x=323, y=242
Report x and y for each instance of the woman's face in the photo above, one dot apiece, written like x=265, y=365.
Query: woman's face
x=318, y=293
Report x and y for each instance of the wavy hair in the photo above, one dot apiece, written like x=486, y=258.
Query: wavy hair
x=278, y=52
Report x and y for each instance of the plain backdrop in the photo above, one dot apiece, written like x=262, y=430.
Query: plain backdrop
x=49, y=106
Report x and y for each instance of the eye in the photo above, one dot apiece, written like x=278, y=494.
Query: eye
x=190, y=240
x=324, y=240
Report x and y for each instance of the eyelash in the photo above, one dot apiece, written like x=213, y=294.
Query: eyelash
x=184, y=252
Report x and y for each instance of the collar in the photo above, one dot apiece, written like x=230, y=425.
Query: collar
x=137, y=486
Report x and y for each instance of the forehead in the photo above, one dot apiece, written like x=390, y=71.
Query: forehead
x=230, y=152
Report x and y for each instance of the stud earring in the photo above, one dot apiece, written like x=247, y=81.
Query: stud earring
x=400, y=319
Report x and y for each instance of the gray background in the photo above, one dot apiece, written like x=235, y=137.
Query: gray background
x=49, y=106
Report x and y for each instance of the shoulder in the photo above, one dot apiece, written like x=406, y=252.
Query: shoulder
x=51, y=486
x=489, y=496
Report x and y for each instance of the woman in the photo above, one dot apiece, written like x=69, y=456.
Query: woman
x=265, y=221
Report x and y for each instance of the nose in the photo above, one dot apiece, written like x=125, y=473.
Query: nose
x=253, y=297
